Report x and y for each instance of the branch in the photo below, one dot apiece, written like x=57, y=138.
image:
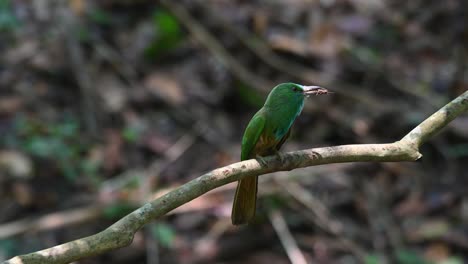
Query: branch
x=121, y=233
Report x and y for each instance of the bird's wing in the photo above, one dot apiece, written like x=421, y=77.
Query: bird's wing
x=251, y=136
x=283, y=139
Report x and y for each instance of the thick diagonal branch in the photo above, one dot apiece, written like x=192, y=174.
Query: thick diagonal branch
x=121, y=233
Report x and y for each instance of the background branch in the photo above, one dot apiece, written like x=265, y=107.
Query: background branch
x=121, y=233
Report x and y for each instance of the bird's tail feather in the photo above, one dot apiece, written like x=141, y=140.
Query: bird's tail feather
x=243, y=208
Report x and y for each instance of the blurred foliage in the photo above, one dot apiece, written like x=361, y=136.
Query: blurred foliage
x=352, y=41
x=168, y=34
x=83, y=34
x=131, y=134
x=7, y=247
x=8, y=20
x=118, y=210
x=404, y=256
x=100, y=16
x=164, y=233
x=458, y=150
x=365, y=55
x=410, y=257
x=249, y=95
x=385, y=35
x=372, y=259
x=58, y=142
x=273, y=201
x=452, y=260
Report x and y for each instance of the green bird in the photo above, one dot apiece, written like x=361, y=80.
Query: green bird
x=264, y=135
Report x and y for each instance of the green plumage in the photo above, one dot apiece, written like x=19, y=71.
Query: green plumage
x=264, y=135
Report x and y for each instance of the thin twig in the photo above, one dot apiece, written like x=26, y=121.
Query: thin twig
x=321, y=216
x=262, y=52
x=204, y=37
x=155, y=169
x=121, y=233
x=287, y=240
x=81, y=72
x=51, y=221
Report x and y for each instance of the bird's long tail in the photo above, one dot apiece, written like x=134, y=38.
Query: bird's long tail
x=243, y=208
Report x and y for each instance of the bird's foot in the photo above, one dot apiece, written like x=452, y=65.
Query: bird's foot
x=261, y=160
x=280, y=156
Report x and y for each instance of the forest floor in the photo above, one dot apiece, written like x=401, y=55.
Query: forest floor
x=107, y=104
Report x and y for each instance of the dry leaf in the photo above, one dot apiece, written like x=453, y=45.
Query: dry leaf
x=165, y=86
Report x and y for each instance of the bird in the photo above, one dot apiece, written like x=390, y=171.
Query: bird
x=264, y=135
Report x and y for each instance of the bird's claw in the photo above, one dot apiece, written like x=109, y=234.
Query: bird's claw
x=261, y=160
x=280, y=156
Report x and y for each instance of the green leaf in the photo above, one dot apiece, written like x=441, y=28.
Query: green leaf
x=167, y=24
x=118, y=210
x=8, y=20
x=168, y=34
x=164, y=233
x=366, y=55
x=372, y=259
x=40, y=146
x=65, y=129
x=410, y=257
x=83, y=33
x=130, y=134
x=100, y=16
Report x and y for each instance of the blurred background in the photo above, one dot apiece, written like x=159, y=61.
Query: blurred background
x=107, y=104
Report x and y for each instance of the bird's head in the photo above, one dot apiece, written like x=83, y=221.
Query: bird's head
x=292, y=93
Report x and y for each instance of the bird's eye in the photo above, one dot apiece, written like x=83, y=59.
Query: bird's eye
x=295, y=89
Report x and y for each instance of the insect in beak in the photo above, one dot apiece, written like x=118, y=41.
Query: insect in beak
x=314, y=90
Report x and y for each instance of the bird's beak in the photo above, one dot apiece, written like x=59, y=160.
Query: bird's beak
x=314, y=90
